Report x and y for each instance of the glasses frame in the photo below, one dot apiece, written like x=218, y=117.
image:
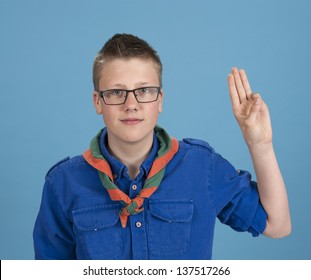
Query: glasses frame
x=102, y=92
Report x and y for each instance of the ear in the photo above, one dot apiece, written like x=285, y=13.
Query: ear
x=97, y=102
x=160, y=97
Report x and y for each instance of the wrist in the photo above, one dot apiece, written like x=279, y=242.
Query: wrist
x=260, y=148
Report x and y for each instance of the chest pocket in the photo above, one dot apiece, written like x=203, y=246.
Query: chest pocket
x=98, y=233
x=169, y=226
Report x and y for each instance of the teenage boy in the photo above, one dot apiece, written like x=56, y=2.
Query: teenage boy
x=138, y=193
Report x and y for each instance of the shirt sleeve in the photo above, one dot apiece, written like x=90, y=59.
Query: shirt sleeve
x=236, y=198
x=53, y=234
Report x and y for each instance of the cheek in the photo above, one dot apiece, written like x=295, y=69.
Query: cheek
x=108, y=115
x=154, y=112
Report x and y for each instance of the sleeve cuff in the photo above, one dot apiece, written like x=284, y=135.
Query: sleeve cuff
x=258, y=224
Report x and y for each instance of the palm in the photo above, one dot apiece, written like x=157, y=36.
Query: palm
x=249, y=109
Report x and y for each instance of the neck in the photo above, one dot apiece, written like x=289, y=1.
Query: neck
x=132, y=155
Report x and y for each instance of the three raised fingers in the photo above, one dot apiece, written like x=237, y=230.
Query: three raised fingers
x=239, y=86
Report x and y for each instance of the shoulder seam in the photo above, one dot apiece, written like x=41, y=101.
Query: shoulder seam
x=64, y=162
x=56, y=165
x=199, y=143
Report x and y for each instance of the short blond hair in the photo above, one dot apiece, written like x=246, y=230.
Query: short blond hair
x=124, y=46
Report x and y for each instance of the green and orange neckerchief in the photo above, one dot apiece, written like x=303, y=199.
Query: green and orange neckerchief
x=168, y=148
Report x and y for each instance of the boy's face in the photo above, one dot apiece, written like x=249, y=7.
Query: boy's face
x=131, y=122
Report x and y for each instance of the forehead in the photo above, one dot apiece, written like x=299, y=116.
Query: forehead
x=128, y=72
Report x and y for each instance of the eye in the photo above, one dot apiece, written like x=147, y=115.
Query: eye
x=116, y=92
x=144, y=90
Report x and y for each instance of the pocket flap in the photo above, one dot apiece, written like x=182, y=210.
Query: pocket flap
x=172, y=211
x=96, y=217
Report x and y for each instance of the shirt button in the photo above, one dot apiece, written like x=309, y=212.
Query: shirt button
x=138, y=224
x=134, y=187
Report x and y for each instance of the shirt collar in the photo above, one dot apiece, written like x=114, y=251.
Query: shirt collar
x=117, y=167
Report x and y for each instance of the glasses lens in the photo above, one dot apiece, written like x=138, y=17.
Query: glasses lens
x=147, y=94
x=114, y=97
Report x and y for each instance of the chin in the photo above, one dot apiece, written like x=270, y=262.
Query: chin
x=132, y=134
x=133, y=138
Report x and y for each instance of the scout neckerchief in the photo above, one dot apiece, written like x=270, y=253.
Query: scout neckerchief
x=168, y=148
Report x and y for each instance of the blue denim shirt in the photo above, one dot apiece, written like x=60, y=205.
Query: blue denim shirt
x=78, y=220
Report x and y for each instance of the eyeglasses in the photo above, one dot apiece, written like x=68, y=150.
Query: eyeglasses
x=119, y=96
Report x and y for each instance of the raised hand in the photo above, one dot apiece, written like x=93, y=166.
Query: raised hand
x=249, y=109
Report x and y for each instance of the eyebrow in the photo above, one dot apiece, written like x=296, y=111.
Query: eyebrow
x=118, y=85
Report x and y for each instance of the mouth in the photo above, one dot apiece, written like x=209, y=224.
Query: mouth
x=131, y=121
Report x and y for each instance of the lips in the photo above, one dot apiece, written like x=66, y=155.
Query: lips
x=131, y=121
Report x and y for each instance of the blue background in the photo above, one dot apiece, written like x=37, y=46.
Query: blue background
x=46, y=54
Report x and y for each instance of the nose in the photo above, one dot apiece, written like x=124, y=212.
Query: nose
x=131, y=102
